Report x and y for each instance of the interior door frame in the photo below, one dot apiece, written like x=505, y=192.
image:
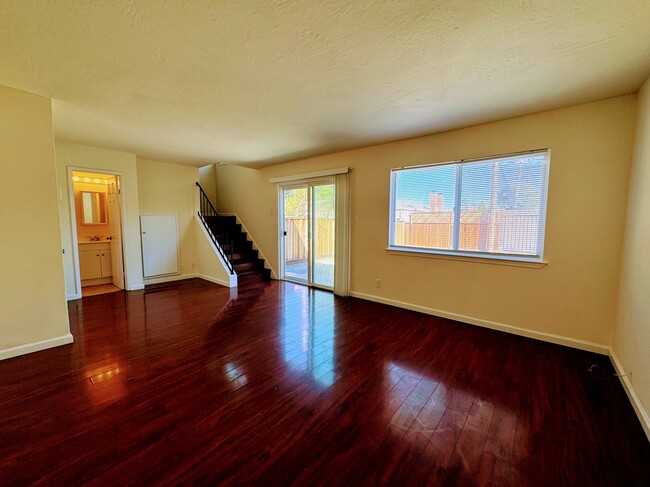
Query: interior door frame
x=73, y=223
x=121, y=281
x=308, y=183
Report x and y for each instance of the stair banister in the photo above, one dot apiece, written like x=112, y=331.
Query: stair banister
x=206, y=209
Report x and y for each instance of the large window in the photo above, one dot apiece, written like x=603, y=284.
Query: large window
x=491, y=207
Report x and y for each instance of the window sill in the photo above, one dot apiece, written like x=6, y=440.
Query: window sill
x=509, y=261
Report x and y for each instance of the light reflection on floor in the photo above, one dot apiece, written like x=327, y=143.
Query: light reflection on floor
x=105, y=383
x=308, y=333
x=432, y=417
x=323, y=269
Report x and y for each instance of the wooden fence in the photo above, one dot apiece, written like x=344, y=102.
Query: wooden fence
x=513, y=231
x=295, y=242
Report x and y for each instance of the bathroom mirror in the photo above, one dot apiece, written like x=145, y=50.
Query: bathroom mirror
x=93, y=208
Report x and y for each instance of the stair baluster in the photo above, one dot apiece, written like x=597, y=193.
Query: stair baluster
x=225, y=233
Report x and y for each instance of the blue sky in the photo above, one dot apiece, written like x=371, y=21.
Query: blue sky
x=414, y=186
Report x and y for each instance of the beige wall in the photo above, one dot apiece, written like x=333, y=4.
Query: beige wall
x=208, y=181
x=170, y=189
x=104, y=161
x=209, y=264
x=632, y=338
x=33, y=307
x=573, y=296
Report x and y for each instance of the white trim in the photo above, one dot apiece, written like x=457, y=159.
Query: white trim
x=73, y=224
x=136, y=287
x=640, y=411
x=179, y=277
x=249, y=236
x=36, y=346
x=215, y=280
x=457, y=208
x=515, y=330
x=309, y=185
x=280, y=234
x=73, y=229
x=468, y=257
x=542, y=214
x=496, y=157
x=72, y=297
x=232, y=278
x=300, y=183
x=309, y=175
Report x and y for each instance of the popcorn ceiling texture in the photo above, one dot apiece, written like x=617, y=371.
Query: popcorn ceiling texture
x=258, y=82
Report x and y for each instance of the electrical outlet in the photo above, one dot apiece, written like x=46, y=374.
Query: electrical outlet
x=377, y=282
x=192, y=265
x=356, y=219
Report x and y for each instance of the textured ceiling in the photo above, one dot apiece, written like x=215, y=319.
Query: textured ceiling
x=264, y=81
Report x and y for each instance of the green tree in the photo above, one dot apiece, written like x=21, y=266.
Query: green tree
x=295, y=203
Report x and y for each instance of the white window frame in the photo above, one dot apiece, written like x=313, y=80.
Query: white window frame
x=463, y=254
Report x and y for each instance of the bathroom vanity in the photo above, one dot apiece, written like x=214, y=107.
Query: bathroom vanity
x=95, y=263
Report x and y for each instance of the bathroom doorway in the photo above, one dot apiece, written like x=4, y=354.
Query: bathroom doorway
x=97, y=229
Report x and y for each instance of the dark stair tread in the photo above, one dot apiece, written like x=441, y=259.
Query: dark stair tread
x=247, y=266
x=236, y=236
x=249, y=273
x=245, y=260
x=238, y=249
x=245, y=256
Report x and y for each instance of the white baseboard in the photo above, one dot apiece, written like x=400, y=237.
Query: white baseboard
x=215, y=280
x=136, y=287
x=515, y=330
x=72, y=297
x=36, y=346
x=640, y=411
x=158, y=280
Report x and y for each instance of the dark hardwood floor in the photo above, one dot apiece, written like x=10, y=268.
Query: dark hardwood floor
x=185, y=383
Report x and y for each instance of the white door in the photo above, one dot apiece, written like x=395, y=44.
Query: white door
x=159, y=244
x=115, y=224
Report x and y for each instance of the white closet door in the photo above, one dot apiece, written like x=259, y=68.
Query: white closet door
x=159, y=244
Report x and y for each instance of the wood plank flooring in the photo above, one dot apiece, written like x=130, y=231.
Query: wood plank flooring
x=99, y=289
x=189, y=383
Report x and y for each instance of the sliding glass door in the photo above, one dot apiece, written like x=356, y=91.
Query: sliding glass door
x=296, y=233
x=307, y=227
x=322, y=243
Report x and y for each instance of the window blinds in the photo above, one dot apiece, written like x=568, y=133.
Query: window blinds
x=487, y=206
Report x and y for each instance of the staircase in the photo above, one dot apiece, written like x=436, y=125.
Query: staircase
x=238, y=249
x=232, y=243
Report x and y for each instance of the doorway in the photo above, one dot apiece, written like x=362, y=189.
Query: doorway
x=307, y=233
x=97, y=228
